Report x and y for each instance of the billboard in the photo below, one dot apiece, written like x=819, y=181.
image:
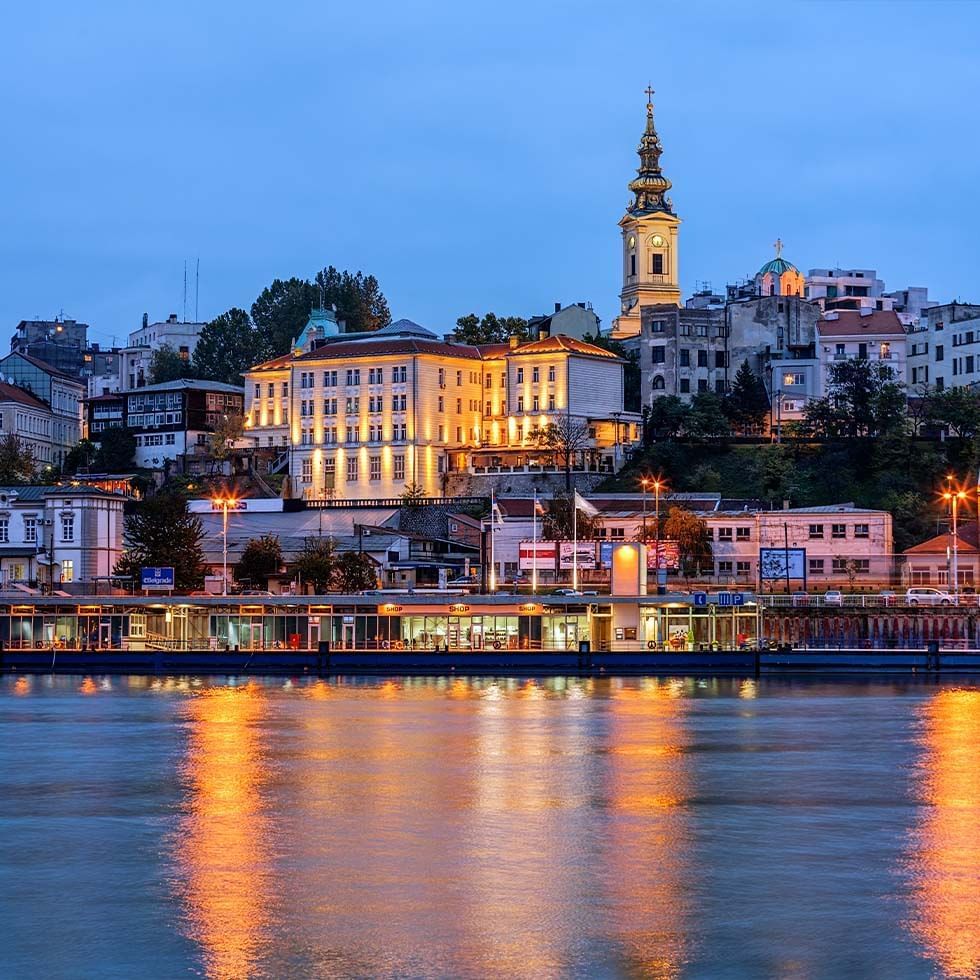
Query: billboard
x=219, y=505
x=568, y=549
x=670, y=558
x=782, y=563
x=541, y=554
x=157, y=578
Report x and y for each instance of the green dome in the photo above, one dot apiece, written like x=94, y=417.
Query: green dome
x=777, y=267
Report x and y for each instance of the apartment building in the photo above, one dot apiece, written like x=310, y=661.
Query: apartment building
x=869, y=334
x=367, y=415
x=944, y=347
x=62, y=394
x=29, y=419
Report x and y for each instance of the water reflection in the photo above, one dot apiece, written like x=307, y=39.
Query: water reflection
x=648, y=860
x=222, y=849
x=944, y=859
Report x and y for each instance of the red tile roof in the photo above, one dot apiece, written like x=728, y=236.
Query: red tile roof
x=559, y=343
x=11, y=393
x=966, y=534
x=850, y=323
x=383, y=347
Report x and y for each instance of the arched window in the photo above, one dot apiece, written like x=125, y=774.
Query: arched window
x=658, y=382
x=632, y=263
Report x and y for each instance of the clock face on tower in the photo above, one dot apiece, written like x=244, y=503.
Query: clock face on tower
x=657, y=241
x=632, y=242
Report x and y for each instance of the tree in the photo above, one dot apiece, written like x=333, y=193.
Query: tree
x=17, y=463
x=664, y=418
x=227, y=431
x=316, y=563
x=80, y=456
x=161, y=532
x=957, y=409
x=566, y=437
x=117, y=447
x=358, y=299
x=747, y=403
x=706, y=418
x=261, y=559
x=489, y=329
x=228, y=346
x=413, y=495
x=166, y=364
x=355, y=572
x=280, y=313
x=693, y=539
x=863, y=401
x=558, y=521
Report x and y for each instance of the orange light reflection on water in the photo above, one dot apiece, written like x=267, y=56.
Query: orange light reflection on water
x=222, y=848
x=944, y=860
x=650, y=783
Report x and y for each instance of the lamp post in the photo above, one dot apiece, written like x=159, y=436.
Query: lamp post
x=954, y=497
x=224, y=503
x=657, y=484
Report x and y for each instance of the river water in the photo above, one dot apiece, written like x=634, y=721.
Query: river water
x=482, y=828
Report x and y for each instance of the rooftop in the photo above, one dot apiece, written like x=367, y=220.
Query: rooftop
x=853, y=323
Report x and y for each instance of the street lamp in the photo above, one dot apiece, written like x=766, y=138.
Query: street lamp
x=954, y=497
x=224, y=504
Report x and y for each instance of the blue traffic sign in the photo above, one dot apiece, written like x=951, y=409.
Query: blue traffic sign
x=157, y=578
x=700, y=598
x=731, y=599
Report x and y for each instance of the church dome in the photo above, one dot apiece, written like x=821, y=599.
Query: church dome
x=778, y=266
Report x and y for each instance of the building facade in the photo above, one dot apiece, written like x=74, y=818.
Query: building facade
x=63, y=395
x=944, y=347
x=61, y=342
x=370, y=415
x=869, y=334
x=58, y=537
x=29, y=419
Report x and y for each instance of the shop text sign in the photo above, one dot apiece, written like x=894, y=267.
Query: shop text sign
x=157, y=578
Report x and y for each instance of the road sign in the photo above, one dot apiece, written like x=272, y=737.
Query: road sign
x=157, y=578
x=731, y=599
x=700, y=598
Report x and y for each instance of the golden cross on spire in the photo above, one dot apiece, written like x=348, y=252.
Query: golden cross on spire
x=778, y=246
x=649, y=92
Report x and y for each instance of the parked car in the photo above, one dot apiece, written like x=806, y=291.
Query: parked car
x=922, y=596
x=801, y=598
x=834, y=597
x=255, y=592
x=566, y=592
x=464, y=581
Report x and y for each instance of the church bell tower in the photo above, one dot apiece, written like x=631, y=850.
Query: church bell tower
x=649, y=227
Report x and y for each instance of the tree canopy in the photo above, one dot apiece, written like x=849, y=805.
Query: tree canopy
x=693, y=539
x=228, y=346
x=566, y=437
x=355, y=572
x=166, y=364
x=117, y=447
x=316, y=563
x=490, y=328
x=161, y=532
x=17, y=464
x=747, y=402
x=863, y=400
x=558, y=522
x=261, y=558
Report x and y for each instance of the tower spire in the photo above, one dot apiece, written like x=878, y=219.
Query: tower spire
x=650, y=186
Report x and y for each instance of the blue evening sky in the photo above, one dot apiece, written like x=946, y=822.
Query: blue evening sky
x=472, y=156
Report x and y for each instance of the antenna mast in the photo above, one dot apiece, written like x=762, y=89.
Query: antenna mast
x=197, y=288
x=185, y=291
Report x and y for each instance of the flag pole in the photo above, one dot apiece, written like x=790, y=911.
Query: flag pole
x=575, y=541
x=492, y=576
x=534, y=546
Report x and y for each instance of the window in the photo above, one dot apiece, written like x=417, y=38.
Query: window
x=285, y=389
x=353, y=376
x=658, y=355
x=794, y=378
x=398, y=467
x=657, y=267
x=551, y=373
x=375, y=468
x=329, y=379
x=816, y=531
x=442, y=377
x=535, y=375
x=743, y=533
x=520, y=403
x=67, y=570
x=4, y=530
x=307, y=470
x=815, y=566
x=30, y=530
x=459, y=406
x=725, y=567
x=702, y=358
x=551, y=403
x=861, y=531
x=352, y=469
x=658, y=383
x=67, y=527
x=685, y=355
x=685, y=386
x=719, y=386
x=353, y=404
x=702, y=385
x=657, y=326
x=534, y=403
x=719, y=358
x=919, y=575
x=258, y=391
x=724, y=534
x=442, y=404
x=520, y=375
x=617, y=532
x=742, y=568
x=838, y=530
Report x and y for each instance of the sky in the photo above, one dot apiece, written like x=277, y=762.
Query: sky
x=473, y=157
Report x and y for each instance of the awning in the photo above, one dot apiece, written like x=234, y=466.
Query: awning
x=17, y=553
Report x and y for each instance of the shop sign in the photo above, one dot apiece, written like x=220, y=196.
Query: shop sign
x=541, y=555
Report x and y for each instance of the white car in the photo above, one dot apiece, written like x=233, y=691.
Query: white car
x=833, y=598
x=921, y=596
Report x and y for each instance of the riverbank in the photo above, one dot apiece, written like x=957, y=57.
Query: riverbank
x=720, y=663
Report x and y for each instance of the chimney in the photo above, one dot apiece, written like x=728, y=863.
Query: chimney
x=543, y=333
x=558, y=307
x=785, y=505
x=172, y=318
x=514, y=341
x=146, y=320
